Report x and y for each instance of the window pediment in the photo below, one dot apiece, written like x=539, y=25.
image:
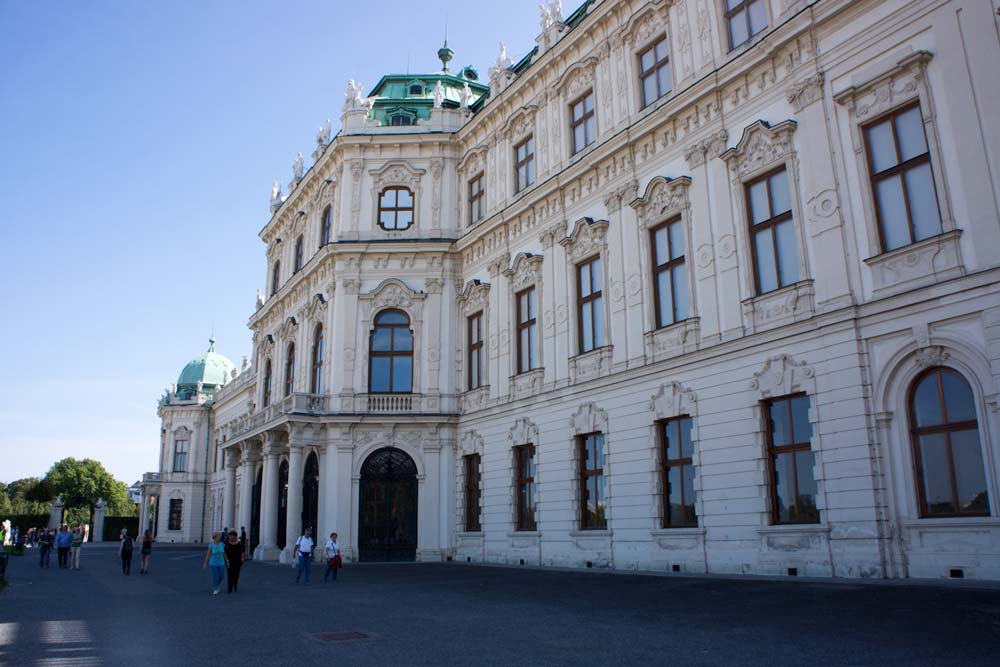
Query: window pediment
x=888, y=90
x=589, y=419
x=761, y=147
x=396, y=172
x=578, y=78
x=524, y=432
x=645, y=25
x=781, y=375
x=394, y=293
x=673, y=400
x=288, y=328
x=473, y=160
x=664, y=197
x=588, y=237
x=526, y=270
x=521, y=123
x=474, y=298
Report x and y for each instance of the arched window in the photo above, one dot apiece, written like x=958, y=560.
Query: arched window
x=951, y=480
x=275, y=276
x=298, y=255
x=266, y=399
x=290, y=370
x=391, y=354
x=324, y=236
x=395, y=208
x=316, y=385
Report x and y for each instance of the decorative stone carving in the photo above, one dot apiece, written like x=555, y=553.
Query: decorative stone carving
x=672, y=400
x=577, y=78
x=323, y=136
x=520, y=123
x=465, y=97
x=933, y=355
x=804, y=92
x=697, y=152
x=761, y=147
x=925, y=262
x=588, y=419
x=643, y=27
x=614, y=197
x=393, y=293
x=526, y=270
x=663, y=197
x=671, y=341
x=789, y=304
x=500, y=72
x=589, y=237
x=474, y=298
x=298, y=168
x=354, y=96
x=782, y=375
x=823, y=212
x=527, y=384
x=396, y=172
x=470, y=443
x=473, y=161
x=498, y=265
x=590, y=365
x=524, y=432
x=888, y=90
x=287, y=329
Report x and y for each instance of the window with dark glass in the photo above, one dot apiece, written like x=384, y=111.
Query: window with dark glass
x=676, y=450
x=524, y=164
x=772, y=232
x=181, y=454
x=391, y=354
x=590, y=305
x=951, y=478
x=474, y=334
x=275, y=276
x=524, y=487
x=324, y=236
x=290, y=370
x=669, y=272
x=298, y=255
x=527, y=330
x=316, y=383
x=176, y=515
x=654, y=72
x=793, y=486
x=583, y=124
x=266, y=398
x=395, y=208
x=745, y=18
x=416, y=89
x=472, y=494
x=476, y=202
x=906, y=204
x=400, y=119
x=591, y=457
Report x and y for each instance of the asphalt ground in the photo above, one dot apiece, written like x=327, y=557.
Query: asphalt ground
x=446, y=613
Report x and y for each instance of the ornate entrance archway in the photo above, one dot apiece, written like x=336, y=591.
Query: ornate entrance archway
x=310, y=495
x=387, y=519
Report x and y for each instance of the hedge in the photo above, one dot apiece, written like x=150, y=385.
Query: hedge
x=113, y=527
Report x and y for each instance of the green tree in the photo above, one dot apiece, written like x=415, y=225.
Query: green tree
x=81, y=483
x=29, y=496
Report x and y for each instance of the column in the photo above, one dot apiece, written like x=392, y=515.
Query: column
x=428, y=536
x=345, y=489
x=268, y=547
x=143, y=512
x=246, y=491
x=229, y=495
x=321, y=528
x=294, y=523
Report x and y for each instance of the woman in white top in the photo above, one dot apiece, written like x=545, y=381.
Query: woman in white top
x=333, y=560
x=304, y=550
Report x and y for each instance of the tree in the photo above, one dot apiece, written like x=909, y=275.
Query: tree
x=81, y=483
x=29, y=496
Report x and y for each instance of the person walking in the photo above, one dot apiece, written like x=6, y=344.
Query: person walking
x=64, y=540
x=215, y=558
x=125, y=548
x=45, y=542
x=234, y=562
x=243, y=541
x=304, y=551
x=75, y=545
x=145, y=551
x=333, y=560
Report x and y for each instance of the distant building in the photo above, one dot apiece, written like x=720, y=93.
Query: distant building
x=693, y=286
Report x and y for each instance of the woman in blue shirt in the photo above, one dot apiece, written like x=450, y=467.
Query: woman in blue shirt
x=215, y=558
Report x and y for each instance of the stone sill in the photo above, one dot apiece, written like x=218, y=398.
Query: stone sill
x=952, y=523
x=678, y=532
x=470, y=534
x=794, y=528
x=524, y=533
x=591, y=533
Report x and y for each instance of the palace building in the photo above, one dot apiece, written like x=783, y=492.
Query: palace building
x=701, y=286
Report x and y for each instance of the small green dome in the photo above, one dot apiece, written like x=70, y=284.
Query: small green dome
x=211, y=369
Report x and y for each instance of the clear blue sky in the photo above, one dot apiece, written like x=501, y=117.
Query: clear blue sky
x=138, y=142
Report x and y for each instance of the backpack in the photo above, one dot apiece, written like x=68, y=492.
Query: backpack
x=127, y=547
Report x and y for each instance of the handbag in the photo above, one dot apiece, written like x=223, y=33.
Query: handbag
x=337, y=562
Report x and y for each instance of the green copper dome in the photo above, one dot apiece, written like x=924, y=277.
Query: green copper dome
x=211, y=369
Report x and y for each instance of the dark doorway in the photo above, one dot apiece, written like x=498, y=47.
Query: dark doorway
x=388, y=510
x=254, y=536
x=279, y=539
x=310, y=494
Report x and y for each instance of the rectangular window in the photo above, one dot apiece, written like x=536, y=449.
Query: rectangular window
x=669, y=272
x=582, y=124
x=176, y=514
x=676, y=449
x=590, y=308
x=746, y=18
x=476, y=201
x=654, y=72
x=591, y=456
x=900, y=166
x=793, y=487
x=772, y=232
x=475, y=359
x=524, y=486
x=524, y=164
x=527, y=330
x=472, y=523
x=181, y=455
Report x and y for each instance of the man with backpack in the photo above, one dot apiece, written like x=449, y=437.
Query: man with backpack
x=125, y=551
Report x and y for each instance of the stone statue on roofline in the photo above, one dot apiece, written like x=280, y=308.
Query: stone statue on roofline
x=276, y=197
x=323, y=135
x=466, y=96
x=260, y=301
x=438, y=95
x=298, y=167
x=353, y=98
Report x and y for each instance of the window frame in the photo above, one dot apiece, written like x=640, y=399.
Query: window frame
x=472, y=485
x=774, y=450
x=584, y=474
x=667, y=463
x=326, y=226
x=181, y=455
x=477, y=199
x=528, y=324
x=411, y=209
x=585, y=116
x=583, y=302
x=175, y=514
x=267, y=384
x=275, y=277
x=668, y=267
x=744, y=6
x=289, y=384
x=474, y=348
x=316, y=377
x=299, y=254
x=769, y=224
x=653, y=71
x=391, y=353
x=529, y=160
x=524, y=521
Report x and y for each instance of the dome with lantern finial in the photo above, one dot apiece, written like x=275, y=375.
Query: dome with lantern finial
x=207, y=372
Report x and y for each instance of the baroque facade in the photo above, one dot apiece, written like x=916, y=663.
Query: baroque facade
x=696, y=286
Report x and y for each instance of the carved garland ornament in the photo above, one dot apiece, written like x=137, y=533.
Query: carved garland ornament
x=589, y=419
x=782, y=375
x=396, y=172
x=589, y=237
x=524, y=432
x=672, y=400
x=663, y=197
x=393, y=293
x=760, y=147
x=524, y=272
x=474, y=298
x=889, y=90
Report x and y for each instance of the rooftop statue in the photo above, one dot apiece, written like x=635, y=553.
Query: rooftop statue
x=466, y=96
x=503, y=61
x=276, y=198
x=260, y=301
x=439, y=94
x=246, y=362
x=353, y=98
x=323, y=135
x=298, y=167
x=551, y=12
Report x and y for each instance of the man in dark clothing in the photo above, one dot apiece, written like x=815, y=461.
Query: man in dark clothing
x=243, y=541
x=45, y=541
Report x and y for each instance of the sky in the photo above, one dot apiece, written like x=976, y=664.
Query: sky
x=138, y=144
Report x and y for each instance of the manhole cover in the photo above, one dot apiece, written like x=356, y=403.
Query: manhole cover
x=339, y=636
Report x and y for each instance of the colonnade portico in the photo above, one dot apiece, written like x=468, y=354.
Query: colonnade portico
x=268, y=548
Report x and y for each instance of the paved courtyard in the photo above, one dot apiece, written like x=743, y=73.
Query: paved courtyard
x=461, y=614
